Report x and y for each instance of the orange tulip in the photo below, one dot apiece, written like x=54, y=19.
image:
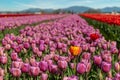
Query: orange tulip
x=75, y=50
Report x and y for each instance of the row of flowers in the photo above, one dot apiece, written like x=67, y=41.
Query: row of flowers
x=17, y=15
x=13, y=22
x=66, y=49
x=107, y=18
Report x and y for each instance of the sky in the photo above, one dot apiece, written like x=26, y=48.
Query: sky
x=17, y=5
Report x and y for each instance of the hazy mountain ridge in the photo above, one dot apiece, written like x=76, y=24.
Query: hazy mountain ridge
x=76, y=9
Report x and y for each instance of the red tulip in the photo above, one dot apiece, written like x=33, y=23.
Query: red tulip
x=94, y=36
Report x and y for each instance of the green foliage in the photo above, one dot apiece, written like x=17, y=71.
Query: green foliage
x=110, y=32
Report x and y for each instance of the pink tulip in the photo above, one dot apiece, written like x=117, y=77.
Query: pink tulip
x=97, y=60
x=25, y=67
x=53, y=69
x=17, y=64
x=34, y=71
x=1, y=78
x=15, y=72
x=62, y=64
x=3, y=59
x=2, y=72
x=105, y=66
x=117, y=66
x=43, y=66
x=14, y=56
x=44, y=76
x=81, y=68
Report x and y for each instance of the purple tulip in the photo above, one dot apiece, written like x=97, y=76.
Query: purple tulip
x=62, y=64
x=34, y=71
x=25, y=67
x=15, y=72
x=14, y=56
x=43, y=65
x=97, y=60
x=86, y=55
x=42, y=47
x=17, y=49
x=92, y=49
x=105, y=66
x=53, y=69
x=44, y=76
x=85, y=47
x=117, y=76
x=59, y=45
x=3, y=59
x=17, y=64
x=26, y=45
x=81, y=68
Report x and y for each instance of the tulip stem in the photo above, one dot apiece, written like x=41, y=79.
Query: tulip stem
x=100, y=75
x=81, y=78
x=86, y=76
x=75, y=60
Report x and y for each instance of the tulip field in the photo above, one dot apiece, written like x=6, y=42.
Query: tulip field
x=56, y=47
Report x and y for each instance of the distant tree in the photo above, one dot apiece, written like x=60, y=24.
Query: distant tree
x=93, y=11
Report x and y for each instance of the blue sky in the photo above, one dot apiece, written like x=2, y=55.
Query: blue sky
x=17, y=5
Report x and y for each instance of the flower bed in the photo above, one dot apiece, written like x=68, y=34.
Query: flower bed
x=66, y=49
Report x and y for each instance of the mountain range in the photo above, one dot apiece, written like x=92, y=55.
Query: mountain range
x=76, y=9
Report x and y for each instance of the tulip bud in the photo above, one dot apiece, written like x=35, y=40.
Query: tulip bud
x=88, y=67
x=117, y=67
x=72, y=65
